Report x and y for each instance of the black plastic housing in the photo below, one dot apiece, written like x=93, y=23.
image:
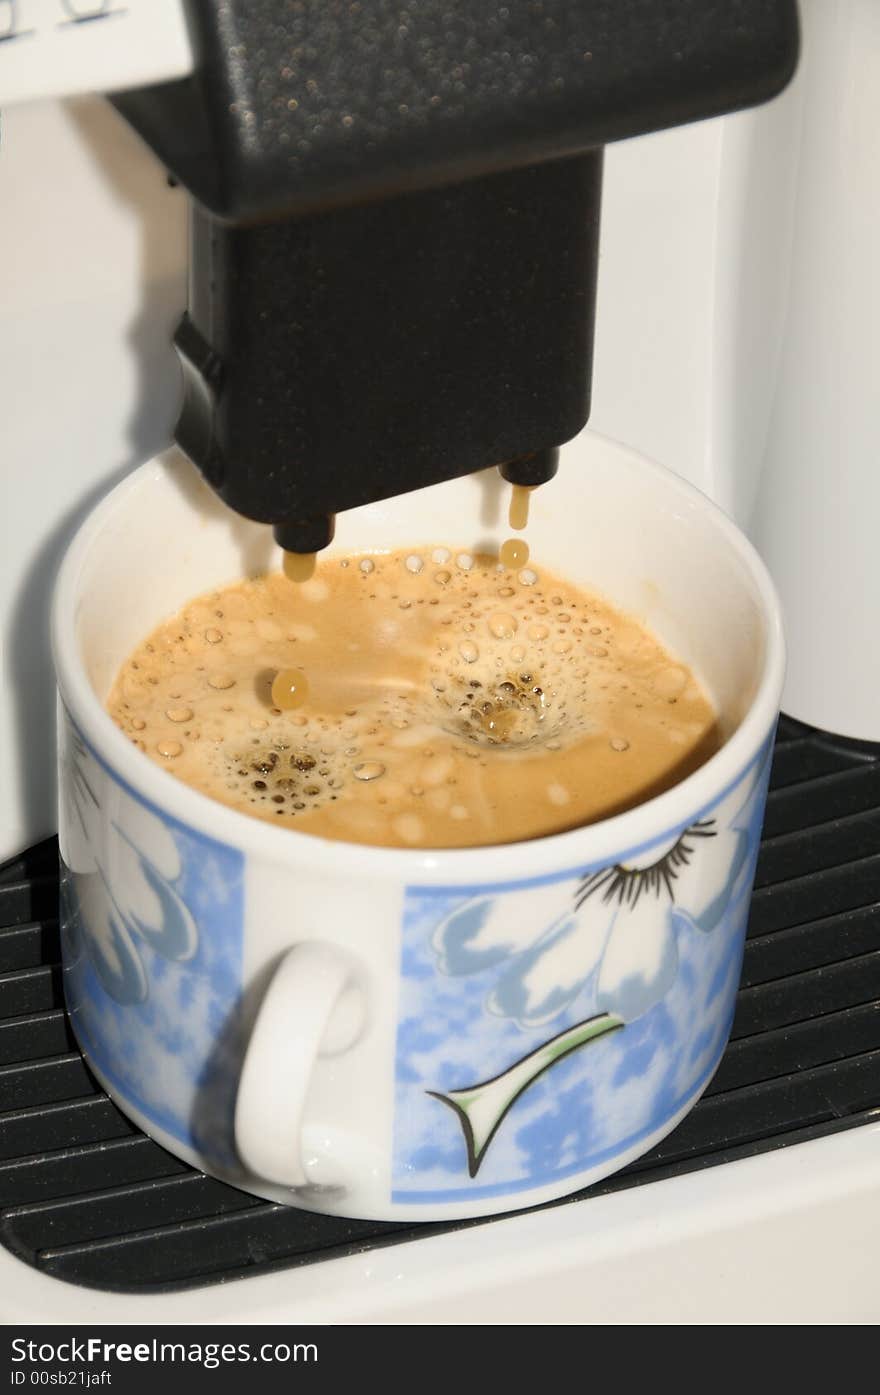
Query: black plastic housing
x=396, y=233
x=300, y=104
x=360, y=353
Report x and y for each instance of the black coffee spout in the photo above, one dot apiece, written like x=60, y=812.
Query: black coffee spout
x=395, y=227
x=335, y=360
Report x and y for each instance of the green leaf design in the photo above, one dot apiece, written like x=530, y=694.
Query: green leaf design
x=481, y=1108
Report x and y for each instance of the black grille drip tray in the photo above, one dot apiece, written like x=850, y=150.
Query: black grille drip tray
x=86, y=1197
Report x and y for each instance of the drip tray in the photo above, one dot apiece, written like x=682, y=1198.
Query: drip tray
x=86, y=1197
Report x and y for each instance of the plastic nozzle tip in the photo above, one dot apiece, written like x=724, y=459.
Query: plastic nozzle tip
x=533, y=469
x=306, y=534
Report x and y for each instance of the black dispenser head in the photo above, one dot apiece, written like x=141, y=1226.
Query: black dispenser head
x=338, y=359
x=395, y=234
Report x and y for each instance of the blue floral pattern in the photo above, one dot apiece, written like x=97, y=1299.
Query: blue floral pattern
x=125, y=882
x=630, y=957
x=151, y=926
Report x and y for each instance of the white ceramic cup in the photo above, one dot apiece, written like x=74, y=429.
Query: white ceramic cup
x=410, y=1034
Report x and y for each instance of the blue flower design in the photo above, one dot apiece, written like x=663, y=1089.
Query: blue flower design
x=616, y=926
x=614, y=929
x=121, y=863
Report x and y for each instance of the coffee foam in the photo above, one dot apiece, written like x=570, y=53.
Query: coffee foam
x=452, y=700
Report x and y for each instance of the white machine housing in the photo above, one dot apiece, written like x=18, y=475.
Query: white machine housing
x=737, y=345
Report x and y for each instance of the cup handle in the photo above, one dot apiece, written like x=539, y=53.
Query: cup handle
x=308, y=986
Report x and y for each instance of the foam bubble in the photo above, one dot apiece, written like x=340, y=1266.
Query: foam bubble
x=179, y=714
x=503, y=625
x=369, y=770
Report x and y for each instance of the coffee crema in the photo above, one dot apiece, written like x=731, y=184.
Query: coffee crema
x=427, y=697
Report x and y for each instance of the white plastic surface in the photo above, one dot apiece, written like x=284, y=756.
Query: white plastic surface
x=55, y=48
x=818, y=505
x=92, y=251
x=655, y=321
x=92, y=282
x=790, y=1237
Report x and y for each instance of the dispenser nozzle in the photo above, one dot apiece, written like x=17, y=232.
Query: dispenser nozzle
x=533, y=469
x=306, y=534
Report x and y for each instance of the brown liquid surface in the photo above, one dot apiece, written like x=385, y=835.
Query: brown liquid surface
x=448, y=702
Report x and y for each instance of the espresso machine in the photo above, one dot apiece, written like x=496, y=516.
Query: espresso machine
x=395, y=229
x=372, y=234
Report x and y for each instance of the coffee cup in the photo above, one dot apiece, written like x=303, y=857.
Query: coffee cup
x=410, y=1034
